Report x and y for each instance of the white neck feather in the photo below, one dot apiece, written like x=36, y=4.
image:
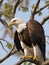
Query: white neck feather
x=20, y=27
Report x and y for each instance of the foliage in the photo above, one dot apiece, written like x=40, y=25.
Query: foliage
x=9, y=45
x=8, y=9
x=47, y=2
x=33, y=6
x=24, y=9
x=40, y=13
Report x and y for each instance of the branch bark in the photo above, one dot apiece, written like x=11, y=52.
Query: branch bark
x=35, y=9
x=41, y=9
x=3, y=47
x=45, y=19
x=15, y=6
x=6, y=27
x=4, y=40
x=7, y=55
x=45, y=63
x=27, y=60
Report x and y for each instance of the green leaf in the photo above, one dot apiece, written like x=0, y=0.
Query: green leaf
x=33, y=6
x=40, y=13
x=8, y=12
x=6, y=5
x=47, y=2
x=24, y=9
x=9, y=46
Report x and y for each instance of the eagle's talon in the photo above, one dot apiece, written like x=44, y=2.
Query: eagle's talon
x=23, y=57
x=35, y=58
x=27, y=57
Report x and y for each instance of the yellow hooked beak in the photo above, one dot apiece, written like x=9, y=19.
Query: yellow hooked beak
x=10, y=24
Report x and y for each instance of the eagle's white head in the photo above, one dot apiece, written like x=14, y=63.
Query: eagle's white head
x=20, y=25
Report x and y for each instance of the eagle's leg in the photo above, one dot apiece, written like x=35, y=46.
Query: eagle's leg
x=28, y=54
x=35, y=58
x=35, y=55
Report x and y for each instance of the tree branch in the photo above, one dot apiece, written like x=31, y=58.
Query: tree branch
x=15, y=6
x=41, y=9
x=33, y=13
x=3, y=47
x=45, y=19
x=13, y=52
x=6, y=26
x=32, y=61
x=7, y=55
x=5, y=33
x=45, y=63
x=4, y=40
x=2, y=44
x=27, y=60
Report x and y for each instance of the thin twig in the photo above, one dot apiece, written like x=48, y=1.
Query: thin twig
x=32, y=61
x=3, y=47
x=6, y=27
x=36, y=6
x=13, y=52
x=45, y=19
x=41, y=9
x=7, y=55
x=45, y=63
x=4, y=40
x=27, y=60
x=15, y=6
x=5, y=33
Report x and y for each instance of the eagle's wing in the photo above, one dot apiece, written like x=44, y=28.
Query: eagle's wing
x=17, y=42
x=37, y=36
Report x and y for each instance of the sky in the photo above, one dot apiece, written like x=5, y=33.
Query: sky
x=25, y=16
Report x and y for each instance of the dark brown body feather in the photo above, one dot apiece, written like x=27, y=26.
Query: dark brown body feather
x=33, y=34
x=37, y=35
x=17, y=42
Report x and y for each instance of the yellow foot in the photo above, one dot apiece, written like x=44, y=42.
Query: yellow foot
x=27, y=57
x=35, y=58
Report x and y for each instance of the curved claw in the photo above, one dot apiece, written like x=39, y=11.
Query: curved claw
x=27, y=57
x=35, y=58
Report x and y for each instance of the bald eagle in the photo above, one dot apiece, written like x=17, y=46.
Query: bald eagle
x=29, y=38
